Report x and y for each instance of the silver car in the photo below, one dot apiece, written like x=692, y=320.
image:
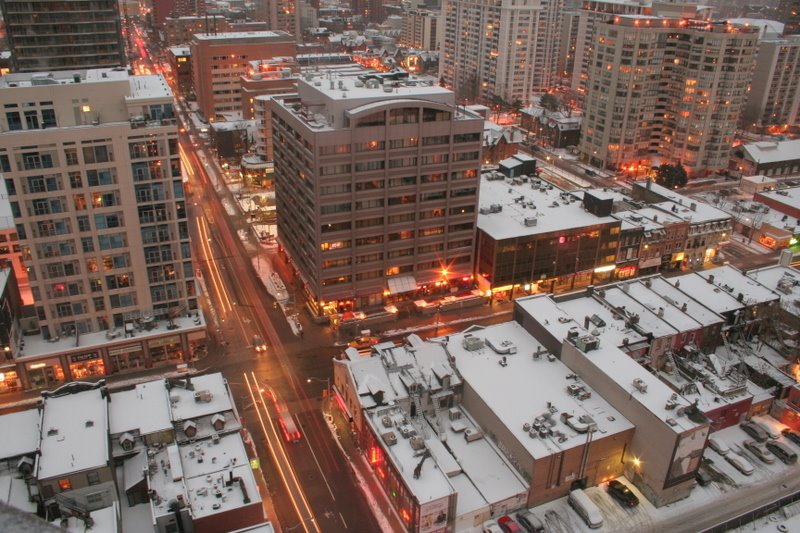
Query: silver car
x=760, y=451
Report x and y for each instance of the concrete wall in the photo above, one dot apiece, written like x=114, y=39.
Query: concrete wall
x=654, y=442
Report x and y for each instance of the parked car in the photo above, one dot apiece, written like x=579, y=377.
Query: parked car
x=782, y=452
x=792, y=436
x=508, y=525
x=755, y=431
x=740, y=463
x=760, y=451
x=773, y=433
x=531, y=522
x=718, y=445
x=586, y=509
x=620, y=492
x=703, y=477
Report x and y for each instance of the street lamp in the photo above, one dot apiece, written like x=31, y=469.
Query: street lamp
x=326, y=381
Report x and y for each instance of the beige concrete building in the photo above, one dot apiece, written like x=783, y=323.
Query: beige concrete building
x=665, y=90
x=91, y=164
x=774, y=97
x=420, y=29
x=499, y=49
x=376, y=187
x=220, y=60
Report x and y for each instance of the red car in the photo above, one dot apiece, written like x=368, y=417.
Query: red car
x=508, y=525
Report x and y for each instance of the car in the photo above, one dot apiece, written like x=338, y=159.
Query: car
x=768, y=429
x=760, y=451
x=620, y=492
x=508, y=525
x=792, y=436
x=740, y=463
x=259, y=344
x=755, y=431
x=718, y=445
x=590, y=172
x=703, y=477
x=782, y=452
x=531, y=522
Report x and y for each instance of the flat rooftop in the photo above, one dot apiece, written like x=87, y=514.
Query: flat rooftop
x=74, y=434
x=62, y=77
x=619, y=296
x=144, y=408
x=20, y=433
x=233, y=35
x=545, y=207
x=783, y=280
x=670, y=291
x=789, y=196
x=773, y=151
x=526, y=388
x=615, y=329
x=150, y=86
x=734, y=282
x=713, y=297
x=209, y=396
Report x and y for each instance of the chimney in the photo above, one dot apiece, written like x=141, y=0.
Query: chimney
x=710, y=278
x=586, y=322
x=660, y=312
x=693, y=206
x=589, y=290
x=683, y=307
x=649, y=184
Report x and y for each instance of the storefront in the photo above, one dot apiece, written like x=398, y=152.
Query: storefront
x=197, y=345
x=86, y=365
x=165, y=350
x=44, y=374
x=128, y=357
x=9, y=381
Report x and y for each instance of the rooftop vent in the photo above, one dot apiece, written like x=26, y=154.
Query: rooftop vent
x=387, y=422
x=531, y=221
x=203, y=396
x=417, y=442
x=89, y=423
x=640, y=385
x=389, y=438
x=472, y=343
x=472, y=435
x=52, y=431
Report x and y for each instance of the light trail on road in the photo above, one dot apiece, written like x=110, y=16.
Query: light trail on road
x=216, y=276
x=281, y=461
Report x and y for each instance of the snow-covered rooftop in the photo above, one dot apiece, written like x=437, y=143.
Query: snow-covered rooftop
x=230, y=35
x=789, y=196
x=672, y=293
x=619, y=296
x=150, y=86
x=670, y=313
x=713, y=297
x=144, y=408
x=20, y=433
x=525, y=387
x=615, y=330
x=74, y=434
x=62, y=77
x=209, y=395
x=545, y=207
x=783, y=280
x=659, y=399
x=734, y=282
x=764, y=152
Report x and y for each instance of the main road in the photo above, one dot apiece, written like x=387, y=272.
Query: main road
x=311, y=482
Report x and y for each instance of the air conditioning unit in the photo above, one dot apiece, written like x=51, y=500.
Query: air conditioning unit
x=640, y=385
x=587, y=343
x=531, y=221
x=389, y=438
x=204, y=396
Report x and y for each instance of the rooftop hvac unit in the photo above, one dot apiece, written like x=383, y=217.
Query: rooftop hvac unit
x=417, y=442
x=407, y=432
x=640, y=385
x=389, y=438
x=495, y=208
x=471, y=343
x=587, y=343
x=203, y=396
x=531, y=221
x=454, y=414
x=387, y=422
x=484, y=210
x=473, y=434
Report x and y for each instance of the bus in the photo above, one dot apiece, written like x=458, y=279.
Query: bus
x=285, y=419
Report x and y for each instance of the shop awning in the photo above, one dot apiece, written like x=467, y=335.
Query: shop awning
x=401, y=284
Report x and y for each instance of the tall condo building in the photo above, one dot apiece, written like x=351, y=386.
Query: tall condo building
x=774, y=97
x=499, y=48
x=420, y=29
x=45, y=35
x=280, y=15
x=376, y=188
x=91, y=164
x=220, y=59
x=665, y=90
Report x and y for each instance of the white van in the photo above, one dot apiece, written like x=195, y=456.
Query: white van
x=586, y=508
